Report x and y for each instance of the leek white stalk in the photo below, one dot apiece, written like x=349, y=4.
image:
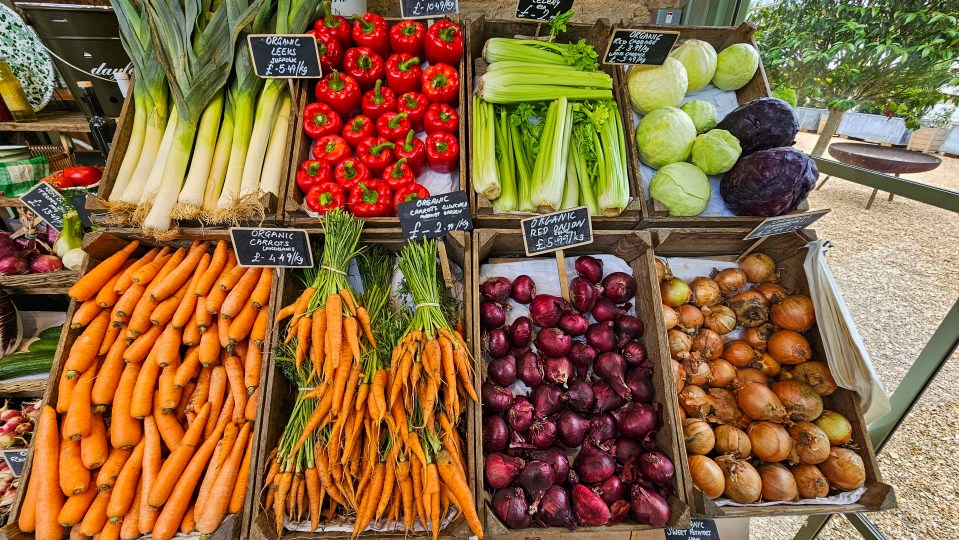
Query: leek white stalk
x=242, y=128
x=506, y=202
x=160, y=219
x=485, y=176
x=221, y=159
x=143, y=192
x=190, y=199
x=273, y=163
x=266, y=109
x=134, y=146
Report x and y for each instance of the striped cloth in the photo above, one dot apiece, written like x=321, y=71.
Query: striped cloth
x=17, y=177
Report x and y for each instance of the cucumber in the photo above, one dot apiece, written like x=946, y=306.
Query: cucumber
x=43, y=345
x=52, y=333
x=20, y=364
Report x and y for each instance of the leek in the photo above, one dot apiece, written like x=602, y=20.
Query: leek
x=549, y=171
x=190, y=200
x=273, y=163
x=506, y=202
x=221, y=157
x=485, y=176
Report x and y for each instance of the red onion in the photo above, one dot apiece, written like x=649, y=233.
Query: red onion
x=553, y=342
x=535, y=478
x=600, y=335
x=46, y=263
x=547, y=400
x=611, y=367
x=619, y=511
x=589, y=268
x=610, y=490
x=8, y=246
x=555, y=457
x=635, y=354
x=523, y=289
x=14, y=264
x=502, y=371
x=640, y=384
x=607, y=310
x=602, y=427
x=583, y=354
x=558, y=369
x=606, y=398
x=619, y=287
x=591, y=511
x=636, y=419
x=571, y=429
x=627, y=449
x=579, y=395
x=648, y=507
x=656, y=467
x=573, y=323
x=492, y=314
x=517, y=444
x=594, y=465
x=518, y=352
x=509, y=505
x=495, y=434
x=496, y=399
x=500, y=470
x=583, y=294
x=542, y=434
x=495, y=343
x=520, y=414
x=545, y=310
x=520, y=332
x=555, y=509
x=628, y=328
x=496, y=289
x=529, y=369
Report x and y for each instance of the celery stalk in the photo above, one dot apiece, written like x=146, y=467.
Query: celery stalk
x=523, y=170
x=549, y=172
x=506, y=202
x=614, y=194
x=485, y=176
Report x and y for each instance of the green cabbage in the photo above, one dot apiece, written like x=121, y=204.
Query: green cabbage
x=699, y=59
x=682, y=187
x=665, y=136
x=735, y=66
x=654, y=87
x=716, y=151
x=703, y=114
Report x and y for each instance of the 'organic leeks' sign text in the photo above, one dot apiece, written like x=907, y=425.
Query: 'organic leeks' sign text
x=285, y=56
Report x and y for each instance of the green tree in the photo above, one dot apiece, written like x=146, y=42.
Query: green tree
x=897, y=55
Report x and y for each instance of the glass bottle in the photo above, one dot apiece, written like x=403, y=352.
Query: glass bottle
x=101, y=126
x=13, y=97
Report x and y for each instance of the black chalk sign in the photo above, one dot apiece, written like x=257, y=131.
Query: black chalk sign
x=435, y=217
x=784, y=224
x=48, y=203
x=285, y=56
x=79, y=201
x=628, y=46
x=422, y=9
x=542, y=10
x=699, y=529
x=275, y=248
x=16, y=459
x=559, y=230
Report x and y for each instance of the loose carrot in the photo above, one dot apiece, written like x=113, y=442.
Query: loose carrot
x=90, y=284
x=219, y=498
x=108, y=377
x=220, y=453
x=165, y=310
x=106, y=296
x=234, y=375
x=171, y=431
x=49, y=495
x=214, y=300
x=109, y=338
x=124, y=307
x=27, y=520
x=180, y=411
x=75, y=508
x=451, y=474
x=64, y=391
x=172, y=263
x=241, y=325
x=188, y=304
x=94, y=447
x=229, y=278
x=252, y=367
x=96, y=516
x=108, y=473
x=202, y=390
x=152, y=462
x=130, y=526
x=209, y=350
x=226, y=412
x=74, y=477
x=168, y=395
x=110, y=531
x=123, y=493
x=142, y=401
x=85, y=313
x=251, y=403
x=203, y=318
x=78, y=422
x=180, y=275
x=178, y=460
x=126, y=276
x=213, y=271
x=83, y=353
x=148, y=272
x=188, y=523
x=261, y=292
x=168, y=346
x=141, y=347
x=125, y=430
x=140, y=319
x=191, y=332
x=217, y=393
x=240, y=293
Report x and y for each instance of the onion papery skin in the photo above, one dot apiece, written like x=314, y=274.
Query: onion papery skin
x=725, y=407
x=750, y=307
x=810, y=442
x=698, y=436
x=773, y=292
x=697, y=371
x=810, y=481
x=695, y=401
x=801, y=400
x=758, y=336
x=843, y=469
x=730, y=281
x=674, y=292
x=743, y=483
x=706, y=475
x=708, y=343
x=794, y=312
x=770, y=441
x=733, y=441
x=739, y=353
x=747, y=375
x=760, y=403
x=759, y=268
x=690, y=318
x=721, y=373
x=662, y=270
x=778, y=484
x=789, y=347
x=670, y=317
x=704, y=292
x=767, y=364
x=679, y=342
x=719, y=319
x=817, y=375
x=836, y=427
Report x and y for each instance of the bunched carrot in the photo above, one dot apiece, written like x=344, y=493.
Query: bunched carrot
x=90, y=284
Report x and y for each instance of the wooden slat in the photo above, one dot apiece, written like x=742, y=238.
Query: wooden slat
x=65, y=121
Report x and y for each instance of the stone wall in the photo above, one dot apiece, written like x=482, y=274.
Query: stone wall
x=585, y=10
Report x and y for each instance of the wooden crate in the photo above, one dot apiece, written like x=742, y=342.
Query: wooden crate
x=100, y=245
x=789, y=251
x=597, y=35
x=294, y=213
x=635, y=248
x=278, y=396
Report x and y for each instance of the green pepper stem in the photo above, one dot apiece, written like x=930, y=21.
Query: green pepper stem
x=398, y=168
x=408, y=146
x=369, y=196
x=336, y=83
x=378, y=149
x=439, y=81
x=407, y=65
x=377, y=94
x=448, y=34
x=441, y=146
x=367, y=26
x=395, y=121
x=364, y=62
x=325, y=198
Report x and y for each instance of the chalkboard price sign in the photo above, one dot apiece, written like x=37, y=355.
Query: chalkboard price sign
x=16, y=459
x=275, y=248
x=48, y=203
x=628, y=46
x=784, y=224
x=556, y=231
x=435, y=217
x=699, y=529
x=542, y=10
x=285, y=56
x=422, y=9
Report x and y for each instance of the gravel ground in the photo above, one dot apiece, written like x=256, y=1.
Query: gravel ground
x=898, y=269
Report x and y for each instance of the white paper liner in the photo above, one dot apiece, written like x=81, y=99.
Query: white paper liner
x=840, y=499
x=346, y=525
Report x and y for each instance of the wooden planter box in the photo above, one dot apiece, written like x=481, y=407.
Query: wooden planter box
x=597, y=35
x=635, y=248
x=100, y=245
x=294, y=212
x=789, y=251
x=278, y=398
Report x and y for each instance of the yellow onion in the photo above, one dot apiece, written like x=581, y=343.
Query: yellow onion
x=679, y=375
x=801, y=400
x=679, y=342
x=695, y=401
x=750, y=307
x=793, y=313
x=843, y=469
x=739, y=353
x=697, y=371
x=758, y=336
x=698, y=436
x=789, y=347
x=771, y=441
x=747, y=375
x=662, y=270
x=778, y=483
x=674, y=292
x=771, y=291
x=760, y=403
x=810, y=481
x=704, y=292
x=721, y=373
x=682, y=415
x=730, y=280
x=670, y=317
x=817, y=375
x=719, y=319
x=743, y=484
x=836, y=427
x=706, y=475
x=733, y=441
x=690, y=318
x=767, y=364
x=725, y=408
x=810, y=442
x=759, y=268
x=708, y=343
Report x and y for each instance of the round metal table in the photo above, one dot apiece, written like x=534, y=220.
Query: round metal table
x=883, y=159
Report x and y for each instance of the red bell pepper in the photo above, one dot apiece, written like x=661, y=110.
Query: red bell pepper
x=371, y=198
x=349, y=172
x=444, y=43
x=440, y=117
x=320, y=119
x=442, y=152
x=364, y=65
x=441, y=84
x=398, y=175
x=326, y=196
x=409, y=192
x=313, y=172
x=371, y=31
x=357, y=129
x=336, y=26
x=406, y=37
x=82, y=176
x=414, y=105
x=378, y=101
x=331, y=149
x=375, y=153
x=331, y=52
x=403, y=73
x=341, y=92
x=393, y=126
x=413, y=150
x=57, y=180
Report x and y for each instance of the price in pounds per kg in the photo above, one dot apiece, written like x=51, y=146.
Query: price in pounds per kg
x=284, y=69
x=428, y=8
x=439, y=229
x=542, y=10
x=278, y=259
